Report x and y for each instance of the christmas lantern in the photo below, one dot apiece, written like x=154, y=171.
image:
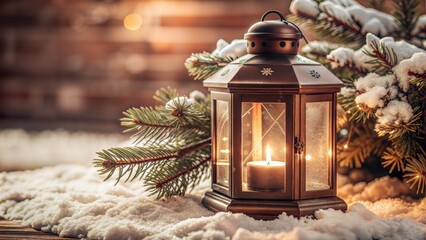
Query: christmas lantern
x=273, y=128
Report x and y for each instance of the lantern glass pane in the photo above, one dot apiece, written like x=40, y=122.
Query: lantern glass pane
x=223, y=150
x=263, y=146
x=318, y=145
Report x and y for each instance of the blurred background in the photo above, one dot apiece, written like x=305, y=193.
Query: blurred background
x=75, y=65
x=69, y=68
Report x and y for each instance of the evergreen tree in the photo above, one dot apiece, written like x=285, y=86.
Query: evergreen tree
x=171, y=149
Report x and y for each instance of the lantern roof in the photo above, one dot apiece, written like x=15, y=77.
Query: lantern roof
x=275, y=72
x=272, y=63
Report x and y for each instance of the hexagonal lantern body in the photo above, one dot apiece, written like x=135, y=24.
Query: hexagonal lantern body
x=273, y=129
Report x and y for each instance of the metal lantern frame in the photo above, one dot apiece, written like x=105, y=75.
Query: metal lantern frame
x=272, y=72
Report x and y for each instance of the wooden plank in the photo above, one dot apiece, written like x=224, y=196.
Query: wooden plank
x=13, y=230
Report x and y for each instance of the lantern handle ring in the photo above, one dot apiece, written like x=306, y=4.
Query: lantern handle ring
x=284, y=20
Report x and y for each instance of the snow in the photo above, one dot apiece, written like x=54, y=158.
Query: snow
x=372, y=80
x=72, y=200
x=346, y=56
x=415, y=64
x=341, y=57
x=374, y=25
x=372, y=20
x=402, y=49
x=308, y=8
x=219, y=46
x=420, y=25
x=395, y=113
x=23, y=150
x=197, y=95
x=375, y=89
x=338, y=12
x=176, y=102
x=349, y=12
x=319, y=47
x=373, y=98
x=347, y=92
x=234, y=50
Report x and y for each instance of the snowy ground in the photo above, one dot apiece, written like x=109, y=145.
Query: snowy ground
x=72, y=200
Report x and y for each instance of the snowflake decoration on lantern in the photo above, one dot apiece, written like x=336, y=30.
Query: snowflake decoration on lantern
x=267, y=71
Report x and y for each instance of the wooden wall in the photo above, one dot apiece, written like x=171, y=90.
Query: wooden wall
x=72, y=63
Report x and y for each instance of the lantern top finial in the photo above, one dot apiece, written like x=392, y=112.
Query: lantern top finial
x=273, y=37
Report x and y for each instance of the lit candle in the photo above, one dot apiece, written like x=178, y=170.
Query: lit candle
x=266, y=175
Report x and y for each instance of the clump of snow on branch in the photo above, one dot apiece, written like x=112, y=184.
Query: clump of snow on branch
x=338, y=12
x=372, y=21
x=347, y=57
x=406, y=69
x=347, y=92
x=350, y=13
x=420, y=26
x=178, y=102
x=359, y=59
x=73, y=201
x=234, y=50
x=401, y=49
x=319, y=47
x=197, y=95
x=385, y=95
x=308, y=8
x=375, y=90
x=395, y=113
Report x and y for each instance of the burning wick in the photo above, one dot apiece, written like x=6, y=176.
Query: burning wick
x=268, y=155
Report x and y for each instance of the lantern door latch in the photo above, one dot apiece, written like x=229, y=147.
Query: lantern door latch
x=298, y=145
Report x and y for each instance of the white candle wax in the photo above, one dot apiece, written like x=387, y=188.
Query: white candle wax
x=266, y=175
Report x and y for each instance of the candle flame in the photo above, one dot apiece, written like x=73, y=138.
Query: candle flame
x=268, y=154
x=308, y=157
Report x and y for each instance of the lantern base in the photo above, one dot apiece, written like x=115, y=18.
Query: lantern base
x=270, y=209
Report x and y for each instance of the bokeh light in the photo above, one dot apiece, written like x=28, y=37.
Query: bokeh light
x=132, y=22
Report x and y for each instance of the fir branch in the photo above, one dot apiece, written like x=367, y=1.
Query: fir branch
x=405, y=15
x=378, y=5
x=356, y=112
x=203, y=65
x=405, y=137
x=180, y=175
x=362, y=143
x=351, y=68
x=144, y=159
x=384, y=58
x=393, y=159
x=163, y=95
x=419, y=79
x=119, y=156
x=332, y=29
x=416, y=172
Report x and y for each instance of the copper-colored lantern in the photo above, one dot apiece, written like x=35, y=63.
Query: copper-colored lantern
x=274, y=128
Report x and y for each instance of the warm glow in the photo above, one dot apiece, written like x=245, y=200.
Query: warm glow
x=224, y=150
x=330, y=153
x=308, y=157
x=345, y=146
x=132, y=22
x=268, y=154
x=224, y=139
